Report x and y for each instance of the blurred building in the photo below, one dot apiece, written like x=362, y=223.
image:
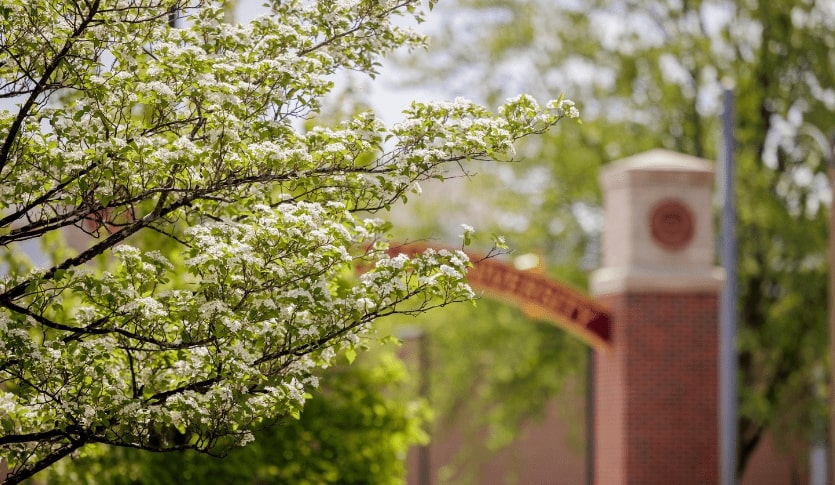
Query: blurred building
x=651, y=403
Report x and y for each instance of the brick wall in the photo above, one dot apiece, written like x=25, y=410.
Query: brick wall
x=656, y=391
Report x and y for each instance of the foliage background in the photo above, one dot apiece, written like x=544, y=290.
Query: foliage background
x=650, y=75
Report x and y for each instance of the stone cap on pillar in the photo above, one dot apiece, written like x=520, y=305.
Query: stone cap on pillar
x=659, y=225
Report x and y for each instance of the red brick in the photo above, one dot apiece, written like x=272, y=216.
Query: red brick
x=655, y=416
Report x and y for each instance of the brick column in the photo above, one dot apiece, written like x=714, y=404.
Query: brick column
x=656, y=405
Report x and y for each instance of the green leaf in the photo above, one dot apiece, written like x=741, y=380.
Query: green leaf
x=350, y=355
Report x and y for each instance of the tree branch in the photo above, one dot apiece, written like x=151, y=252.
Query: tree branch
x=24, y=473
x=42, y=84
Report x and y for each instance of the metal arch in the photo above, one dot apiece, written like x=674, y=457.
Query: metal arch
x=537, y=295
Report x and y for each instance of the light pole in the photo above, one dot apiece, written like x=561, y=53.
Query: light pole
x=424, y=457
x=419, y=335
x=728, y=406
x=829, y=155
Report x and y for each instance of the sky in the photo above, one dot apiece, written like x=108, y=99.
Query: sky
x=386, y=96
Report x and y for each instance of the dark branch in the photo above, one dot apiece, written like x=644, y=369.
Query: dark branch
x=42, y=84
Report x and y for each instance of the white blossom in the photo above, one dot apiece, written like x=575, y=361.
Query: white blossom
x=216, y=234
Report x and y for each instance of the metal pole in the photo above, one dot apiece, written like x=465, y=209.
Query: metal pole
x=424, y=452
x=418, y=339
x=727, y=309
x=830, y=158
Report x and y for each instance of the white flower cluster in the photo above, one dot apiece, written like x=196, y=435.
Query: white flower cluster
x=226, y=262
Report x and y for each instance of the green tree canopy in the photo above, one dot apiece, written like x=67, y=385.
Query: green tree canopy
x=650, y=74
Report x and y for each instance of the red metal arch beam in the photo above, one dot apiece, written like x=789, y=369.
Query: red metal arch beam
x=537, y=295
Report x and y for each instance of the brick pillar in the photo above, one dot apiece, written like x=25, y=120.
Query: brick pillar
x=656, y=405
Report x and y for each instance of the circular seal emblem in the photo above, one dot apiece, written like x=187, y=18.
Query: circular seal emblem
x=671, y=224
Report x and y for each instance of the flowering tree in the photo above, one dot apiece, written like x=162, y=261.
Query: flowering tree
x=218, y=271
x=356, y=428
